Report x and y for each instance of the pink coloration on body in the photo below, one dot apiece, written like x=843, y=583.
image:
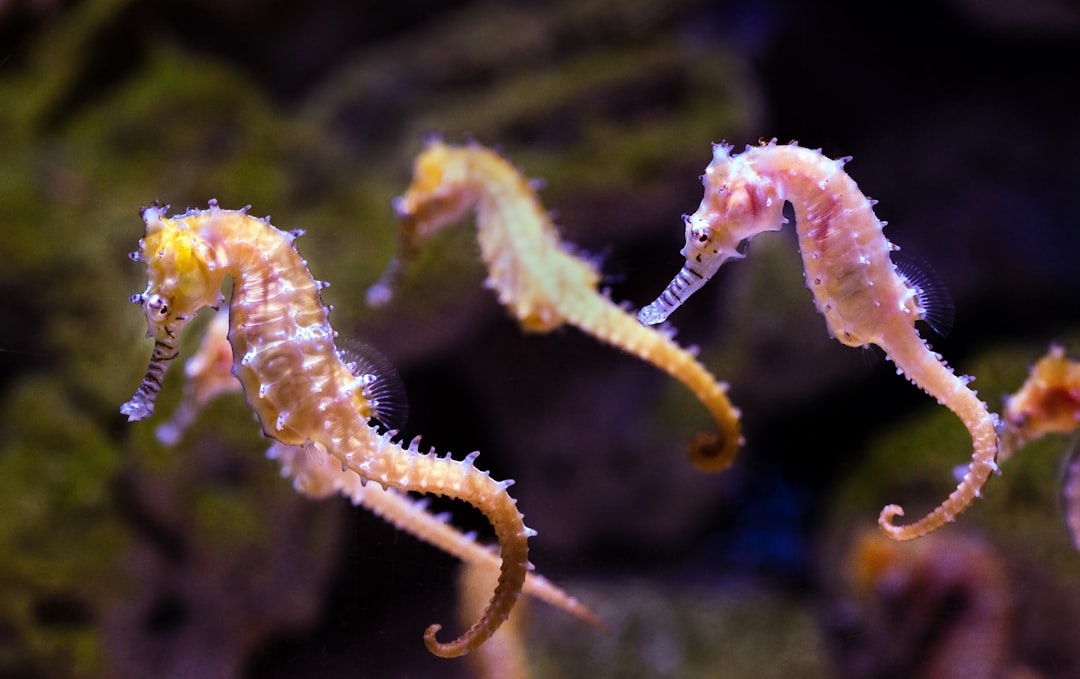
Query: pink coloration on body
x=856, y=287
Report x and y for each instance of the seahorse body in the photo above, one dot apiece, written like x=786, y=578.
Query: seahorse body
x=293, y=377
x=535, y=276
x=208, y=374
x=856, y=287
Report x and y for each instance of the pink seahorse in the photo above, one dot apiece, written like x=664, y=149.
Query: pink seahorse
x=856, y=286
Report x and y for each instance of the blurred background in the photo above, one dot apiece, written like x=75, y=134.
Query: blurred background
x=120, y=557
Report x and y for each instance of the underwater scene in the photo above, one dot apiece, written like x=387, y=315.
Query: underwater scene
x=539, y=340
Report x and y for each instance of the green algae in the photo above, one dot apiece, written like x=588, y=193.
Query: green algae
x=61, y=545
x=180, y=128
x=676, y=632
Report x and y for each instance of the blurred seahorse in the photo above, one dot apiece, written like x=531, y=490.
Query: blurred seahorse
x=865, y=298
x=1049, y=403
x=535, y=275
x=208, y=374
x=944, y=607
x=294, y=378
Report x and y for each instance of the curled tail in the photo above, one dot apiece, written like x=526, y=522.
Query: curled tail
x=408, y=469
x=608, y=322
x=927, y=371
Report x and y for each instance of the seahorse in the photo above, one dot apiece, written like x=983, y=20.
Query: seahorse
x=293, y=377
x=1049, y=403
x=208, y=374
x=958, y=616
x=863, y=296
x=536, y=276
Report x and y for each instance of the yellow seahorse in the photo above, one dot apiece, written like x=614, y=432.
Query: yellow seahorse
x=293, y=377
x=208, y=374
x=535, y=276
x=846, y=259
x=1049, y=403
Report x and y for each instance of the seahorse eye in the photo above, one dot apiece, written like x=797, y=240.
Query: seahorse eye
x=156, y=303
x=701, y=235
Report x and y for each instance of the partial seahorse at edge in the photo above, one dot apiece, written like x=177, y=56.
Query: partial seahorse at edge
x=1049, y=403
x=535, y=275
x=208, y=374
x=846, y=258
x=293, y=376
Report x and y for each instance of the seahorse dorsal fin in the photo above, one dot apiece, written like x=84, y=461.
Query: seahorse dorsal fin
x=935, y=302
x=381, y=383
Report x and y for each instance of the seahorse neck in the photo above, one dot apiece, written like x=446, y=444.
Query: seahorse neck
x=804, y=177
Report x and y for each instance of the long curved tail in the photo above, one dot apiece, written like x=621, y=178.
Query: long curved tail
x=409, y=469
x=610, y=323
x=927, y=371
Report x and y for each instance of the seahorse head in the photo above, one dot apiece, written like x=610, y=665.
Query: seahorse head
x=181, y=277
x=738, y=204
x=439, y=193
